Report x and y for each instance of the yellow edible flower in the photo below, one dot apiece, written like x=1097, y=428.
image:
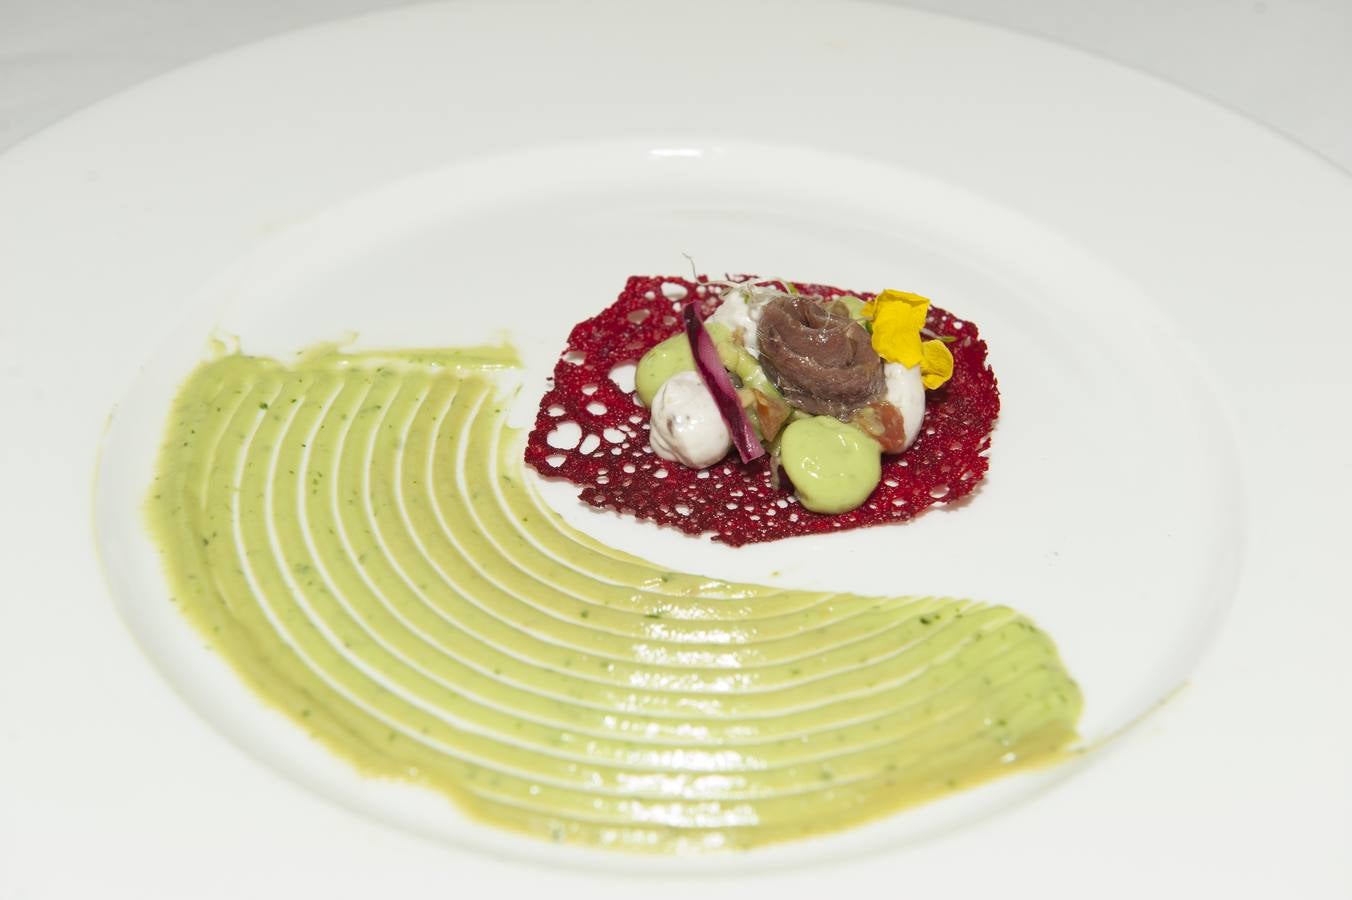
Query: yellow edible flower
x=898, y=317
x=936, y=364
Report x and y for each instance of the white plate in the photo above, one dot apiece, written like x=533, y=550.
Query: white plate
x=1159, y=281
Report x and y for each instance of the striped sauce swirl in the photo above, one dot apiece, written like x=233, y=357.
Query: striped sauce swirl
x=357, y=536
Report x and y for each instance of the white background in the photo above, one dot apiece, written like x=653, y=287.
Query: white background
x=1286, y=63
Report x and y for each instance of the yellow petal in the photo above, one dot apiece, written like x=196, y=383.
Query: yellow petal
x=936, y=364
x=890, y=296
x=898, y=317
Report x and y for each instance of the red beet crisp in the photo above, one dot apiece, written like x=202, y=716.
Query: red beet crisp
x=736, y=501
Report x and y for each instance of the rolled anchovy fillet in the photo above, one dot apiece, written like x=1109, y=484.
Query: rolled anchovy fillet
x=821, y=361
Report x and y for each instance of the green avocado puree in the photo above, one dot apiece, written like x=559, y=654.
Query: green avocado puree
x=833, y=466
x=673, y=355
x=356, y=534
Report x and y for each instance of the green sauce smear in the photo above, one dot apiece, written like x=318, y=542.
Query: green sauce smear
x=356, y=534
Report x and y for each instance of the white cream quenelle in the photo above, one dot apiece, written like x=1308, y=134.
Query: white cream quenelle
x=906, y=391
x=740, y=311
x=686, y=426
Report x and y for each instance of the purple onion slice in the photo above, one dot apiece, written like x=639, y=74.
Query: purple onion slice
x=715, y=377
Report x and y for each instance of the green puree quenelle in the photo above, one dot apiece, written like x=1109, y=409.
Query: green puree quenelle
x=833, y=466
x=356, y=535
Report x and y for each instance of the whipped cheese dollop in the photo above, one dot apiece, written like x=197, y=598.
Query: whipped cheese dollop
x=740, y=312
x=906, y=391
x=686, y=426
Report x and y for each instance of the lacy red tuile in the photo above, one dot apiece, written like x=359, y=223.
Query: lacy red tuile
x=737, y=502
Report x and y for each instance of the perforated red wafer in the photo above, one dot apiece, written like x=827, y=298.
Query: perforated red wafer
x=616, y=468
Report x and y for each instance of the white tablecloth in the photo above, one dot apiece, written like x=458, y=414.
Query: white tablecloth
x=1286, y=63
